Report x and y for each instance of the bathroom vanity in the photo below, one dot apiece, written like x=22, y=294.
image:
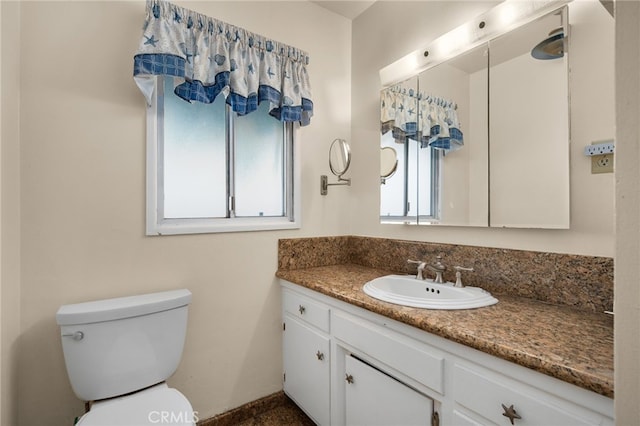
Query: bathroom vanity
x=351, y=359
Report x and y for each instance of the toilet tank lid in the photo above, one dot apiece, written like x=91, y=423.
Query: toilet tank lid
x=122, y=307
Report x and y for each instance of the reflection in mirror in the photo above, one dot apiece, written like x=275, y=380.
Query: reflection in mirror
x=339, y=157
x=398, y=120
x=388, y=163
x=461, y=84
x=483, y=138
x=444, y=149
x=530, y=138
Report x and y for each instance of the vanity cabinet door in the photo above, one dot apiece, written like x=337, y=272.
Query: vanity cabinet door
x=306, y=369
x=486, y=395
x=374, y=398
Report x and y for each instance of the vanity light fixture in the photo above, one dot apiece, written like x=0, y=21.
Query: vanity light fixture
x=499, y=20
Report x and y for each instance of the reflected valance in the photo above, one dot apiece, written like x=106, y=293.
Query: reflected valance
x=209, y=57
x=428, y=119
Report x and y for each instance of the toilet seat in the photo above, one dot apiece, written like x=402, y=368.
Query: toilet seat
x=157, y=405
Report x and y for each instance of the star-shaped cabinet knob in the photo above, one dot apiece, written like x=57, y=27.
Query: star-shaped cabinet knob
x=510, y=413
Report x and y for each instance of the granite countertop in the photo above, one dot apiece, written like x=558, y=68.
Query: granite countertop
x=572, y=345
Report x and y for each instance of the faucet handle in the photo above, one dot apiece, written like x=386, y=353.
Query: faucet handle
x=421, y=266
x=459, y=270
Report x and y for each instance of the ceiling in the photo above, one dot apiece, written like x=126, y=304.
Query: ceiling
x=347, y=8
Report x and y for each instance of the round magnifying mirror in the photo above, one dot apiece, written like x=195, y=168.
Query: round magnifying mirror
x=339, y=157
x=388, y=162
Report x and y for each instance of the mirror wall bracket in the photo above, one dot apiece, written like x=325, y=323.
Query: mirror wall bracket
x=324, y=183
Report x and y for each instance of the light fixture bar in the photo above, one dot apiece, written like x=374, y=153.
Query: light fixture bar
x=499, y=20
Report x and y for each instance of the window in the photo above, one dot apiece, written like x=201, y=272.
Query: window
x=210, y=170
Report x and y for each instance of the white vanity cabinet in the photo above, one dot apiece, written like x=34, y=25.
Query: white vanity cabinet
x=306, y=355
x=374, y=367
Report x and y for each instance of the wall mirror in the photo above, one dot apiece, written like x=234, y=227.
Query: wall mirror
x=482, y=137
x=339, y=162
x=339, y=157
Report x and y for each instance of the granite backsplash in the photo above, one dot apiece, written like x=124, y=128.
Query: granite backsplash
x=583, y=282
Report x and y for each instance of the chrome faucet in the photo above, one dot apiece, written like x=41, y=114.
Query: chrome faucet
x=438, y=268
x=421, y=266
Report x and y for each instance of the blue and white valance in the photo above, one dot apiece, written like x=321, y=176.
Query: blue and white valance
x=210, y=57
x=430, y=120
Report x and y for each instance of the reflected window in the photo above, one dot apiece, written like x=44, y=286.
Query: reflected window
x=428, y=177
x=412, y=193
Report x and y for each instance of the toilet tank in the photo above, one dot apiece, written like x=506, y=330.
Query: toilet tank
x=116, y=346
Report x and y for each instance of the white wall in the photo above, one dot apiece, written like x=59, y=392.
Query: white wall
x=397, y=28
x=3, y=382
x=627, y=267
x=82, y=183
x=10, y=212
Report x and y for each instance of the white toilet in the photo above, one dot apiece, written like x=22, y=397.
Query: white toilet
x=120, y=351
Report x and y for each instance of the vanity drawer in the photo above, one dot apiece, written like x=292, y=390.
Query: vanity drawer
x=410, y=357
x=306, y=309
x=485, y=392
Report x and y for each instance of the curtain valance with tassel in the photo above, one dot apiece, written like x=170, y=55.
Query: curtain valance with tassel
x=210, y=57
x=430, y=120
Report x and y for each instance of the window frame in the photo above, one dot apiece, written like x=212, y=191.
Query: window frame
x=157, y=224
x=435, y=190
x=435, y=200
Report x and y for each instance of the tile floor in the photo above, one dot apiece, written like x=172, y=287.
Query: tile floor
x=273, y=410
x=288, y=414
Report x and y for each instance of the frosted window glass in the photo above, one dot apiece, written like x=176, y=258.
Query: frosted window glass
x=425, y=185
x=259, y=169
x=412, y=178
x=194, y=157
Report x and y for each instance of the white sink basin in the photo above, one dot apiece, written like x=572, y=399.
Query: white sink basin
x=407, y=290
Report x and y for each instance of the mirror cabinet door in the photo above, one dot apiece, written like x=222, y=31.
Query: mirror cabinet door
x=453, y=165
x=529, y=127
x=398, y=130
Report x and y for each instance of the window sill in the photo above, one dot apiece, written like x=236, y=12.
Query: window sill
x=214, y=226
